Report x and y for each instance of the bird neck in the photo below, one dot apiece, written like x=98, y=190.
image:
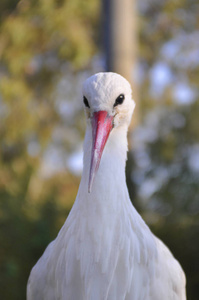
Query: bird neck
x=109, y=187
x=106, y=218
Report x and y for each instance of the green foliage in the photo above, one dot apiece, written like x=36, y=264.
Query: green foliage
x=44, y=48
x=163, y=175
x=172, y=208
x=40, y=42
x=25, y=232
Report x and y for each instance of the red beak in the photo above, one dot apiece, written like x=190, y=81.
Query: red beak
x=102, y=124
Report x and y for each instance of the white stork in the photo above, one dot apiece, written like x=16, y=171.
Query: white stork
x=105, y=251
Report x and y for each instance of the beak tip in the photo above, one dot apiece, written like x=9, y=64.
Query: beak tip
x=89, y=186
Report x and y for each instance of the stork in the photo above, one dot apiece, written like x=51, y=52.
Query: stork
x=105, y=251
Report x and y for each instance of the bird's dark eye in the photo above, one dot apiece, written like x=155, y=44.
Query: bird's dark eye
x=86, y=102
x=119, y=100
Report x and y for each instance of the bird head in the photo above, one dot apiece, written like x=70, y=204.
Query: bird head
x=108, y=106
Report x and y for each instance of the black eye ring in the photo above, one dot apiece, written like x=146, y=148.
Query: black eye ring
x=119, y=100
x=86, y=102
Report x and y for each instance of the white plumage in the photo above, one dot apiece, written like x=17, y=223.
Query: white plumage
x=105, y=251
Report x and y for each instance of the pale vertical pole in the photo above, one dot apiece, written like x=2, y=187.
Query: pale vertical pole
x=120, y=41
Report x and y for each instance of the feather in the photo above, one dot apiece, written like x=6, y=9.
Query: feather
x=105, y=251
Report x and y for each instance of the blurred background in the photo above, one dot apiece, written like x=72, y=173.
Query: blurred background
x=47, y=49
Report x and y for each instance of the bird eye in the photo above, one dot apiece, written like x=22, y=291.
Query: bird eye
x=119, y=100
x=86, y=102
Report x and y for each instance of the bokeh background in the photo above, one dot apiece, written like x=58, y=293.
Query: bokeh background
x=47, y=49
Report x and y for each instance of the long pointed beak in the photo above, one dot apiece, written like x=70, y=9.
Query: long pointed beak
x=102, y=124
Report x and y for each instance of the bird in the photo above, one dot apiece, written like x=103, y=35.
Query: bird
x=105, y=250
